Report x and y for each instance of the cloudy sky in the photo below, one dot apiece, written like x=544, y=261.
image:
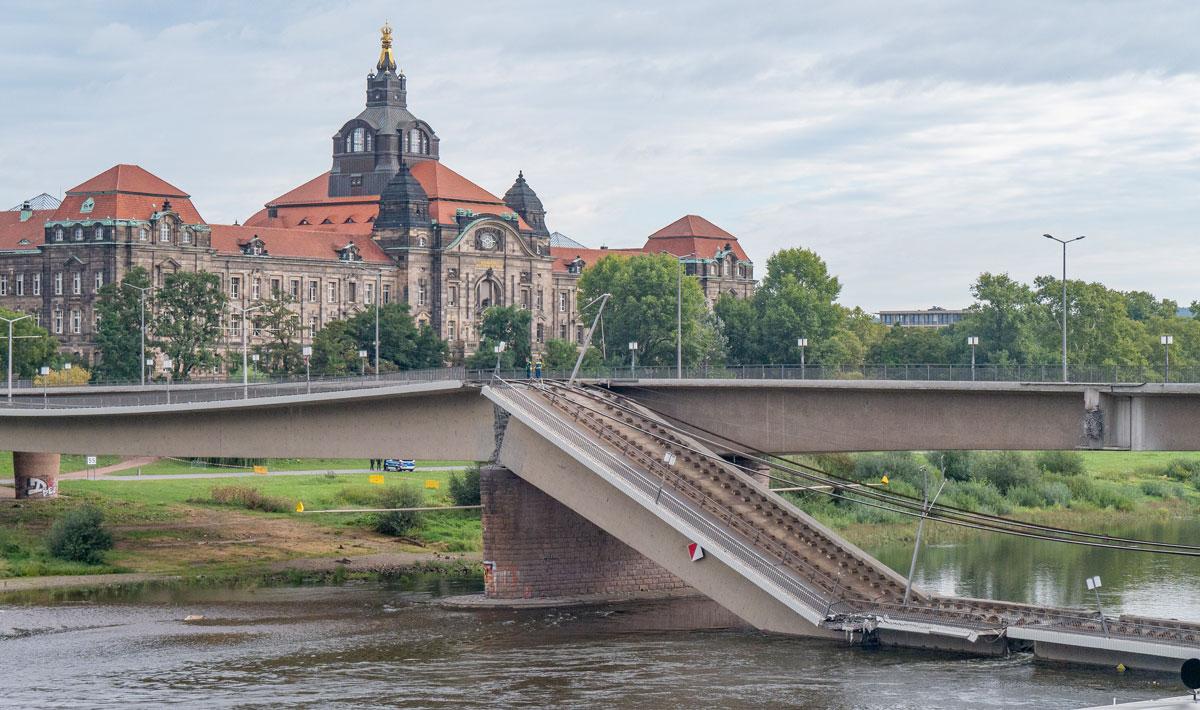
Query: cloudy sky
x=913, y=145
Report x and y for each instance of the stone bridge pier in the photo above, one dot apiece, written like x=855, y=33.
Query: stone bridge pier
x=35, y=475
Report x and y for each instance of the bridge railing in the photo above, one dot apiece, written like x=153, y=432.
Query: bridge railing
x=1050, y=373
x=101, y=395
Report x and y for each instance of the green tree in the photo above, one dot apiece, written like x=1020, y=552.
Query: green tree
x=561, y=355
x=643, y=308
x=187, y=326
x=1099, y=329
x=119, y=337
x=281, y=326
x=32, y=345
x=335, y=350
x=912, y=345
x=507, y=324
x=1007, y=318
x=403, y=345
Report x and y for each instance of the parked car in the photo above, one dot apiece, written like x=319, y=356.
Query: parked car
x=399, y=465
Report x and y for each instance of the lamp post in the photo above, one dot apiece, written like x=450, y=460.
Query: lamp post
x=245, y=365
x=362, y=356
x=633, y=348
x=587, y=341
x=168, y=364
x=306, y=351
x=44, y=371
x=972, y=340
x=802, y=343
x=1167, y=341
x=11, y=322
x=926, y=506
x=1064, y=243
x=679, y=313
x=499, y=349
x=142, y=308
x=1093, y=583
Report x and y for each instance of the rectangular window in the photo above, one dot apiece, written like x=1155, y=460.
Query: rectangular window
x=37, y=284
x=296, y=290
x=314, y=324
x=540, y=302
x=3, y=285
x=235, y=287
x=352, y=294
x=562, y=331
x=312, y=291
x=387, y=294
x=58, y=320
x=525, y=298
x=541, y=333
x=95, y=321
x=332, y=292
x=369, y=293
x=58, y=285
x=450, y=331
x=99, y=281
x=579, y=333
x=276, y=288
x=20, y=284
x=452, y=296
x=76, y=321
x=562, y=301
x=235, y=326
x=421, y=294
x=255, y=288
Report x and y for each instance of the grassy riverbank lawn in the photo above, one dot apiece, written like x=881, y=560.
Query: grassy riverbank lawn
x=171, y=526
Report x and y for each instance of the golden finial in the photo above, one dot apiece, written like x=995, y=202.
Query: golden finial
x=387, y=61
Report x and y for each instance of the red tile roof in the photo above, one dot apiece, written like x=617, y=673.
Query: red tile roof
x=13, y=230
x=565, y=255
x=692, y=233
x=447, y=190
x=129, y=179
x=692, y=225
x=298, y=243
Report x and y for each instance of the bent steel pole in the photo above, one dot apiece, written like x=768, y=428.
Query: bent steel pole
x=587, y=342
x=912, y=568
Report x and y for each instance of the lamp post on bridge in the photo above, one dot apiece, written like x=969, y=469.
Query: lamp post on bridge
x=362, y=356
x=499, y=349
x=633, y=348
x=306, y=351
x=1166, y=341
x=11, y=322
x=802, y=343
x=1064, y=243
x=142, y=309
x=972, y=340
x=245, y=364
x=679, y=312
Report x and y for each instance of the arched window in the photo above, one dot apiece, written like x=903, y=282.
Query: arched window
x=58, y=234
x=79, y=234
x=185, y=236
x=359, y=137
x=164, y=231
x=99, y=233
x=370, y=142
x=347, y=144
x=417, y=142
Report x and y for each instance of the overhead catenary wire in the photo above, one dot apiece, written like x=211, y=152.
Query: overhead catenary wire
x=914, y=502
x=905, y=505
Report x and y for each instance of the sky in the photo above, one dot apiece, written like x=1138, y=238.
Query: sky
x=912, y=145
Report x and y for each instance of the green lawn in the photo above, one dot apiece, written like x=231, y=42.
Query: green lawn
x=1131, y=464
x=70, y=462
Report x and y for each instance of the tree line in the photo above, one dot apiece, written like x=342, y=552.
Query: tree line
x=189, y=316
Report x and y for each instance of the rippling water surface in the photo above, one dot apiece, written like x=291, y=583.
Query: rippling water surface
x=379, y=646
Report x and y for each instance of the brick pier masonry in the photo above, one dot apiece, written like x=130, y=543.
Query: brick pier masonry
x=534, y=546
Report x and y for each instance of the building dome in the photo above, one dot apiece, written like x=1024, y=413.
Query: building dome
x=521, y=199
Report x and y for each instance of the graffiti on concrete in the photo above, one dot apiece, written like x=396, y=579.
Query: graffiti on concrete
x=40, y=489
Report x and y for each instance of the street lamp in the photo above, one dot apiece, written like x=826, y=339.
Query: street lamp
x=11, y=322
x=245, y=365
x=1167, y=341
x=167, y=364
x=362, y=355
x=972, y=340
x=679, y=313
x=499, y=349
x=633, y=348
x=1064, y=298
x=802, y=343
x=306, y=351
x=44, y=371
x=142, y=307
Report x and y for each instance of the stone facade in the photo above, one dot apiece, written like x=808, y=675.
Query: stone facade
x=387, y=222
x=534, y=546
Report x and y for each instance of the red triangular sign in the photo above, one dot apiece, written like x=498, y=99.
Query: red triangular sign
x=695, y=551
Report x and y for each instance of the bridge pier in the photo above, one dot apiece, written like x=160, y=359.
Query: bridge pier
x=35, y=475
x=534, y=547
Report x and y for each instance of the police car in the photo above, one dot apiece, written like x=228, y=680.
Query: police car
x=399, y=465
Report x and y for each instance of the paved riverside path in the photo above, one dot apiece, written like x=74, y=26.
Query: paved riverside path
x=249, y=474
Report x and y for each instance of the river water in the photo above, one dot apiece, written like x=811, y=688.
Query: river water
x=379, y=645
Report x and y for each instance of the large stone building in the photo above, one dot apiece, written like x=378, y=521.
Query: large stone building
x=388, y=221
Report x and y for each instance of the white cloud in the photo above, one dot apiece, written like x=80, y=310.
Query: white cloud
x=912, y=150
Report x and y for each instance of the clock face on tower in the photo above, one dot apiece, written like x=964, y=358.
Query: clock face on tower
x=487, y=240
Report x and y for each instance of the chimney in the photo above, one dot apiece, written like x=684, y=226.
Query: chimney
x=26, y=211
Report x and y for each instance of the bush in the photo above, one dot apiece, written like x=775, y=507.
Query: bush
x=464, y=490
x=899, y=466
x=836, y=464
x=1004, y=469
x=400, y=522
x=1099, y=493
x=1055, y=493
x=79, y=536
x=248, y=498
x=956, y=465
x=979, y=496
x=1182, y=469
x=1068, y=463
